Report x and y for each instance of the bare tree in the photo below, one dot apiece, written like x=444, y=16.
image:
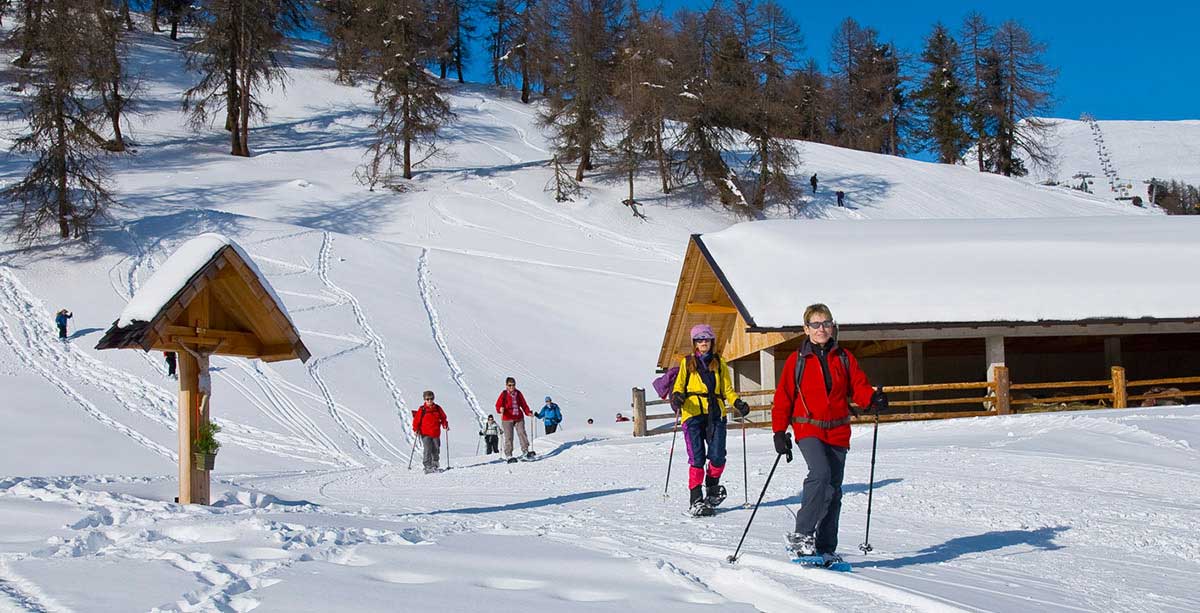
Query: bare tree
x=237, y=55
x=412, y=108
x=976, y=36
x=1026, y=82
x=107, y=70
x=66, y=185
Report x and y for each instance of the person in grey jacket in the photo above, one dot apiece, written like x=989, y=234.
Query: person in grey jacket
x=491, y=435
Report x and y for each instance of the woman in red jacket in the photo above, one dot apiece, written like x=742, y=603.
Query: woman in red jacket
x=819, y=414
x=428, y=422
x=513, y=409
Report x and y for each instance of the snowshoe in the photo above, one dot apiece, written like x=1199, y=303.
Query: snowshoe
x=830, y=561
x=715, y=498
x=701, y=509
x=802, y=545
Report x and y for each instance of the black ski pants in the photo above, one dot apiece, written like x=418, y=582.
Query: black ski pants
x=821, y=506
x=493, y=443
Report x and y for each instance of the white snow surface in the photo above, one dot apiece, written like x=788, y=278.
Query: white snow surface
x=978, y=269
x=471, y=274
x=175, y=272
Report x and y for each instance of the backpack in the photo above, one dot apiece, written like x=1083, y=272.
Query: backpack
x=666, y=382
x=801, y=362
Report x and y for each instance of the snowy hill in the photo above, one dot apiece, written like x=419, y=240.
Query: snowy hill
x=1132, y=152
x=474, y=274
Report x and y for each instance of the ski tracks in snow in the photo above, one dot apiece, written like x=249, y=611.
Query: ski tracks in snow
x=425, y=285
x=375, y=342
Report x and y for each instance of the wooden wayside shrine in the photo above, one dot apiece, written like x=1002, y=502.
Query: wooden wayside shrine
x=224, y=308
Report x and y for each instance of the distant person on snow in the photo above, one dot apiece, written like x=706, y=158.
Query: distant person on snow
x=819, y=414
x=841, y=197
x=813, y=181
x=169, y=356
x=428, y=422
x=703, y=387
x=60, y=320
x=550, y=415
x=512, y=408
x=621, y=418
x=491, y=435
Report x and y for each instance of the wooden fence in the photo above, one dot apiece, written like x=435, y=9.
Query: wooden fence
x=996, y=397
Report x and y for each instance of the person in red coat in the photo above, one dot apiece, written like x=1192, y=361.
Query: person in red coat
x=428, y=422
x=819, y=415
x=512, y=408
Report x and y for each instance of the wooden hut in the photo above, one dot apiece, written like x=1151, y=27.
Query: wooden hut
x=207, y=299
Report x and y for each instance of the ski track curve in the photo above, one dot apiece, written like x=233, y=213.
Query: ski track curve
x=373, y=339
x=426, y=288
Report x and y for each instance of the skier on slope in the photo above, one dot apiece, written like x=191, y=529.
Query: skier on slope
x=550, y=415
x=428, y=422
x=512, y=408
x=819, y=414
x=702, y=389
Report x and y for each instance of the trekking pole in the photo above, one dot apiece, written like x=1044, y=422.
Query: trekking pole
x=671, y=456
x=866, y=544
x=745, y=468
x=477, y=442
x=447, y=448
x=412, y=452
x=733, y=558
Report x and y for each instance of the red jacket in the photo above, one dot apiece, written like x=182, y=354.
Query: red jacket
x=507, y=412
x=815, y=403
x=428, y=421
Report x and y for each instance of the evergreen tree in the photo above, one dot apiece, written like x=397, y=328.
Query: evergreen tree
x=342, y=22
x=941, y=98
x=976, y=35
x=66, y=185
x=412, y=107
x=237, y=55
x=777, y=41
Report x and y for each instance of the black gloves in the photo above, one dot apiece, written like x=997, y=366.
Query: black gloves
x=783, y=444
x=743, y=409
x=677, y=400
x=879, y=399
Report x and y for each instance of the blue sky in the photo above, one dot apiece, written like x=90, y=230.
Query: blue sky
x=1116, y=60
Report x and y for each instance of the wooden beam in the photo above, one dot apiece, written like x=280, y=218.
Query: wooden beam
x=904, y=332
x=713, y=309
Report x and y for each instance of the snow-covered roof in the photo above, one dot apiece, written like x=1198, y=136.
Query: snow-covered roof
x=960, y=270
x=175, y=273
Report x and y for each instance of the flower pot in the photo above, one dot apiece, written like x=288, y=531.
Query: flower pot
x=204, y=461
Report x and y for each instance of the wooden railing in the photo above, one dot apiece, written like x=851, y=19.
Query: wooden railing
x=996, y=399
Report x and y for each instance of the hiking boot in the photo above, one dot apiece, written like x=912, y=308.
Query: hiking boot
x=511, y=460
x=716, y=492
x=802, y=544
x=530, y=454
x=829, y=559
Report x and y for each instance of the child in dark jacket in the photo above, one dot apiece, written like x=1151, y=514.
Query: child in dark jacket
x=428, y=422
x=60, y=320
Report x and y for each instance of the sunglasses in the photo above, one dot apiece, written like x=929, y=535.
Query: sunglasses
x=817, y=325
x=702, y=340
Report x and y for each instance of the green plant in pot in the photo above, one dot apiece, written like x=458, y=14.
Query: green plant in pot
x=205, y=446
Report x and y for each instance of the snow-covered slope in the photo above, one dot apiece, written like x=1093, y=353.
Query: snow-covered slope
x=1132, y=152
x=472, y=274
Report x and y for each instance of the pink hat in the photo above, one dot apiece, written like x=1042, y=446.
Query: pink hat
x=703, y=331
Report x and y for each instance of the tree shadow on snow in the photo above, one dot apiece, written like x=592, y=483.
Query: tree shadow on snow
x=1041, y=538
x=853, y=488
x=533, y=504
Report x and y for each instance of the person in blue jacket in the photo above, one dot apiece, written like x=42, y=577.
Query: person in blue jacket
x=550, y=415
x=60, y=320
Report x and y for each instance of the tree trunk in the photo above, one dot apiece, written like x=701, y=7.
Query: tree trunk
x=524, y=57
x=154, y=16
x=118, y=142
x=760, y=193
x=458, y=59
x=663, y=171
x=33, y=18
x=126, y=16
x=245, y=113
x=60, y=167
x=175, y=24
x=407, y=135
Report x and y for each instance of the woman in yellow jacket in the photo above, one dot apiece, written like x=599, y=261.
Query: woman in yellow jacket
x=703, y=389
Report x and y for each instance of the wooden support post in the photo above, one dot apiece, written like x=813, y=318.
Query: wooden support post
x=639, y=411
x=193, y=483
x=1112, y=351
x=766, y=369
x=1003, y=397
x=916, y=366
x=1120, y=392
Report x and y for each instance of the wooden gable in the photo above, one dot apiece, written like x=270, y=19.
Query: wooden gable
x=223, y=309
x=703, y=296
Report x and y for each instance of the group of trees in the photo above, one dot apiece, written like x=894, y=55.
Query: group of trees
x=1176, y=197
x=713, y=97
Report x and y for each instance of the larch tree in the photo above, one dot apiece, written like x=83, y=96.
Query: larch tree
x=66, y=185
x=1025, y=86
x=237, y=55
x=412, y=108
x=577, y=110
x=976, y=41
